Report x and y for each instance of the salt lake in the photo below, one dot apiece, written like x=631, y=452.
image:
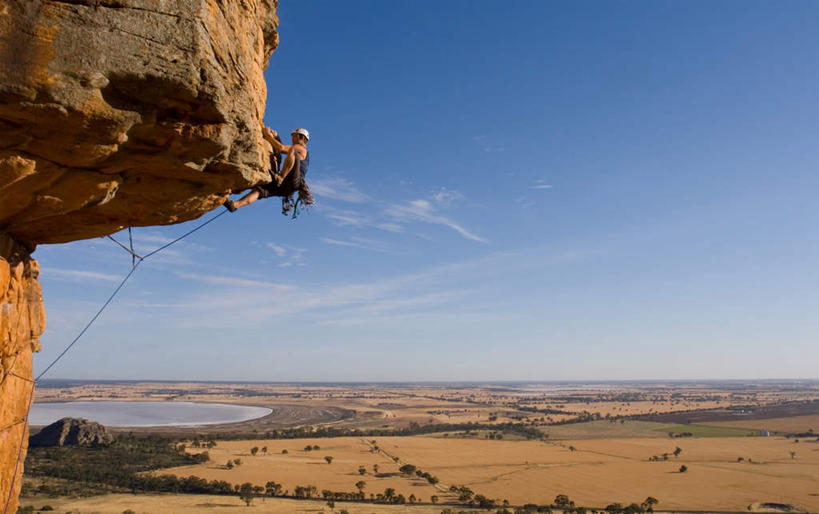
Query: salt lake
x=145, y=414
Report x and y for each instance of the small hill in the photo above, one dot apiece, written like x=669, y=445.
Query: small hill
x=72, y=432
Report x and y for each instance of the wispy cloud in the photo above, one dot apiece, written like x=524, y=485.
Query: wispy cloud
x=447, y=288
x=541, y=184
x=346, y=218
x=337, y=188
x=78, y=275
x=245, y=302
x=487, y=145
x=425, y=212
x=277, y=249
x=394, y=217
x=446, y=197
x=524, y=202
x=390, y=227
x=232, y=281
x=357, y=242
x=291, y=255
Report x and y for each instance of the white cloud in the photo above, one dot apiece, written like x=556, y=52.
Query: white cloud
x=78, y=275
x=399, y=215
x=279, y=250
x=542, y=186
x=245, y=302
x=356, y=242
x=390, y=227
x=447, y=196
x=232, y=281
x=432, y=291
x=423, y=211
x=346, y=218
x=337, y=188
x=291, y=255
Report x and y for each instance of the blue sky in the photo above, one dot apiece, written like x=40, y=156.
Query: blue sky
x=518, y=190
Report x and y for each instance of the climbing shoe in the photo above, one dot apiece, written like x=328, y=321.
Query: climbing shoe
x=229, y=205
x=286, y=205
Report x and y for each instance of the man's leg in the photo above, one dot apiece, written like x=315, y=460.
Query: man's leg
x=291, y=162
x=248, y=199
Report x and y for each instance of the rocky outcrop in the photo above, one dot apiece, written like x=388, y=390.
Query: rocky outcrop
x=115, y=113
x=72, y=432
x=22, y=320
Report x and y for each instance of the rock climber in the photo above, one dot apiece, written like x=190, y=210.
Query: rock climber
x=289, y=180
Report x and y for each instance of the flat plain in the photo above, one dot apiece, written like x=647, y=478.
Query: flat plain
x=592, y=472
x=525, y=443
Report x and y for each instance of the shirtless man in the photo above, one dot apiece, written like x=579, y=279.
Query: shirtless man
x=290, y=179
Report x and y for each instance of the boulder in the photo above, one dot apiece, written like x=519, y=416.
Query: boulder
x=72, y=432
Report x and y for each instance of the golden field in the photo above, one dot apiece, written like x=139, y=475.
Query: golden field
x=609, y=462
x=596, y=473
x=195, y=503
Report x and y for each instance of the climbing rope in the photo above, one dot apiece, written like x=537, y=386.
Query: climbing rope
x=131, y=241
x=131, y=250
x=20, y=448
x=136, y=260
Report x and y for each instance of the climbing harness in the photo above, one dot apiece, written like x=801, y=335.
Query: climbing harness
x=136, y=260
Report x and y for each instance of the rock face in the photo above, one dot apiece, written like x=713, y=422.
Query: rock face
x=22, y=320
x=115, y=113
x=72, y=432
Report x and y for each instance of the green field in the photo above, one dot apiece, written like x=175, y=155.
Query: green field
x=706, y=431
x=603, y=429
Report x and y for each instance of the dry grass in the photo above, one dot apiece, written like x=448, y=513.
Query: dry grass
x=302, y=468
x=598, y=472
x=195, y=503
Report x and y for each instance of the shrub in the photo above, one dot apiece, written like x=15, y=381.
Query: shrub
x=407, y=469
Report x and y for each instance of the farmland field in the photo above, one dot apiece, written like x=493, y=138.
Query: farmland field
x=197, y=503
x=525, y=443
x=795, y=424
x=593, y=472
x=708, y=431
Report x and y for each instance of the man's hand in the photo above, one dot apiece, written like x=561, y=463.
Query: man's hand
x=269, y=134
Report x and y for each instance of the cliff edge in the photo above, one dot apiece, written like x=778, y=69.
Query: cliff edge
x=115, y=113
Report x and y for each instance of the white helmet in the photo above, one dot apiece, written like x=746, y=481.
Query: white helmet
x=303, y=132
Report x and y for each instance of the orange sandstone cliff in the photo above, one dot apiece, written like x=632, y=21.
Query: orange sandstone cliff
x=114, y=113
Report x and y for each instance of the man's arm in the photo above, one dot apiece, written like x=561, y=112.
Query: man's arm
x=272, y=137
